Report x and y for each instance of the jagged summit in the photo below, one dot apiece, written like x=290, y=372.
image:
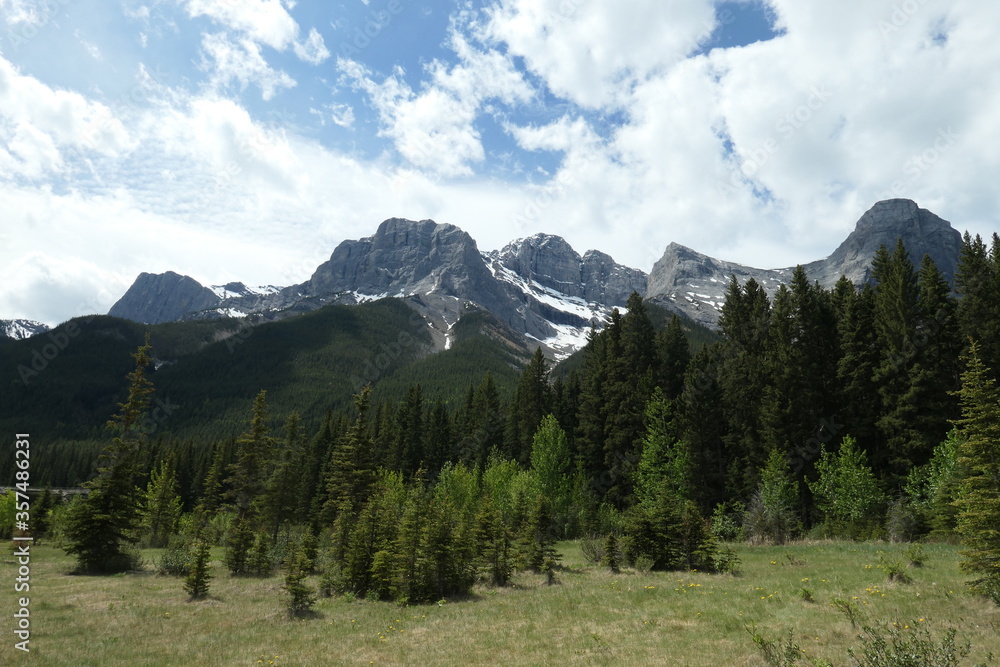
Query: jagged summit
x=539, y=287
x=695, y=285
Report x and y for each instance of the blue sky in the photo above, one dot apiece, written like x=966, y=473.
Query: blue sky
x=243, y=139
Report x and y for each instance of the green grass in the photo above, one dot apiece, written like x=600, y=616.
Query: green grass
x=590, y=617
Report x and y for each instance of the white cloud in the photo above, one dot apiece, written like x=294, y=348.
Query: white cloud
x=592, y=52
x=263, y=21
x=38, y=124
x=435, y=128
x=240, y=60
x=312, y=50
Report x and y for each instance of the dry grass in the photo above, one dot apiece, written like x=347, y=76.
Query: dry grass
x=590, y=618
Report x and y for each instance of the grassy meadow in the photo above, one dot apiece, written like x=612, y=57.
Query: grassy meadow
x=591, y=617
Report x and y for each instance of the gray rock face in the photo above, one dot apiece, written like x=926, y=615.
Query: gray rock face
x=694, y=284
x=605, y=281
x=21, y=329
x=885, y=222
x=538, y=286
x=164, y=297
x=405, y=257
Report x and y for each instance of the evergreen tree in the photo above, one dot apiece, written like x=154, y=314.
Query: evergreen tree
x=101, y=527
x=350, y=472
x=770, y=516
x=254, y=451
x=301, y=597
x=161, y=507
x=847, y=493
x=532, y=401
x=977, y=281
x=663, y=458
x=197, y=581
x=494, y=543
x=978, y=522
x=674, y=355
x=439, y=442
x=280, y=500
x=896, y=316
x=550, y=464
x=631, y=359
x=859, y=404
x=408, y=448
x=485, y=425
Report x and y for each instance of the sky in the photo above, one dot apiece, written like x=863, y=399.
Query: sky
x=242, y=140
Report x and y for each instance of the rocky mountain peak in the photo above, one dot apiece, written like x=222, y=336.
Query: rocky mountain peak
x=163, y=297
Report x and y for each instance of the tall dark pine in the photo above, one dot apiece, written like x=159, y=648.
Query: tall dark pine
x=629, y=382
x=674, y=355
x=977, y=281
x=593, y=413
x=101, y=528
x=936, y=374
x=743, y=380
x=408, y=447
x=532, y=401
x=896, y=315
x=254, y=451
x=859, y=403
x=350, y=472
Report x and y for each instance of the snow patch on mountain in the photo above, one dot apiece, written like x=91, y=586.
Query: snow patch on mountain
x=21, y=329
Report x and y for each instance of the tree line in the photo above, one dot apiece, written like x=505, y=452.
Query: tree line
x=839, y=412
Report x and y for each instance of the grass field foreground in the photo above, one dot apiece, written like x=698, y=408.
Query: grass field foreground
x=590, y=617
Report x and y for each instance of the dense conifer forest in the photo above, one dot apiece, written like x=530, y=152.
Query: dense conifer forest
x=849, y=413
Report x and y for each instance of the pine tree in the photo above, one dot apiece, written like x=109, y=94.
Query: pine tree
x=101, y=527
x=494, y=543
x=408, y=447
x=978, y=282
x=674, y=355
x=847, y=493
x=532, y=401
x=161, y=508
x=196, y=582
x=770, y=516
x=978, y=500
x=254, y=451
x=301, y=597
x=859, y=401
x=550, y=463
x=663, y=457
x=896, y=316
x=279, y=502
x=350, y=470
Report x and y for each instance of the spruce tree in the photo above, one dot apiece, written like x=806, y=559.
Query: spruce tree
x=280, y=499
x=550, y=462
x=978, y=521
x=977, y=281
x=532, y=401
x=101, y=528
x=301, y=597
x=197, y=581
x=161, y=507
x=674, y=355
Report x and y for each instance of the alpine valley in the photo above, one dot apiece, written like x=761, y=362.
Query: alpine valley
x=416, y=302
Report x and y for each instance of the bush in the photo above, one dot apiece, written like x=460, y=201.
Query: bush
x=892, y=646
x=593, y=549
x=915, y=555
x=176, y=560
x=768, y=523
x=894, y=569
x=726, y=522
x=903, y=522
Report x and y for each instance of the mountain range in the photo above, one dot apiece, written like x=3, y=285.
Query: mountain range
x=545, y=292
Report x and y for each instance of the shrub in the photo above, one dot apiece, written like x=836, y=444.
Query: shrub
x=176, y=560
x=892, y=646
x=894, y=570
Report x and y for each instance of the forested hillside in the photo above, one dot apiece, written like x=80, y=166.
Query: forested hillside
x=828, y=412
